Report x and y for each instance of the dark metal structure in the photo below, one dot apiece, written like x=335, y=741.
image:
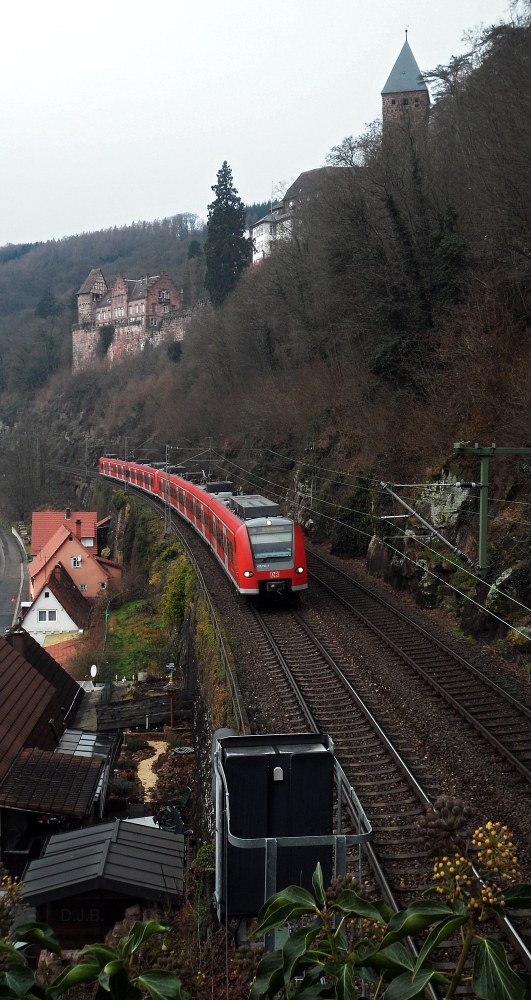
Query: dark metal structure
x=274, y=800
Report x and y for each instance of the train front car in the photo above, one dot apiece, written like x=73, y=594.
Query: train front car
x=275, y=560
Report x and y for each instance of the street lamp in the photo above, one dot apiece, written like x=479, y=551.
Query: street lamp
x=171, y=687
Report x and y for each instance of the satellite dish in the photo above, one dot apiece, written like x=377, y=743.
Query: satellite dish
x=93, y=671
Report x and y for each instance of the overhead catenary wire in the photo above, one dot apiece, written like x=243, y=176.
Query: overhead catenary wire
x=402, y=554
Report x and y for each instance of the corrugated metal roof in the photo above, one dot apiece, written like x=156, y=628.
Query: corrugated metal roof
x=405, y=75
x=119, y=856
x=44, y=524
x=57, y=783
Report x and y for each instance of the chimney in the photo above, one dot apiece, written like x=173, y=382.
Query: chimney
x=18, y=641
x=67, y=514
x=78, y=528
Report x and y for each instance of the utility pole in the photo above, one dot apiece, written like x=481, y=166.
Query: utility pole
x=485, y=454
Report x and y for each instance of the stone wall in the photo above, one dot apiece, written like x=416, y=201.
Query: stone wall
x=414, y=104
x=130, y=337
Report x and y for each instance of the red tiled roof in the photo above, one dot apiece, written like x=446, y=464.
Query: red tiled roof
x=57, y=783
x=33, y=690
x=107, y=562
x=48, y=551
x=44, y=524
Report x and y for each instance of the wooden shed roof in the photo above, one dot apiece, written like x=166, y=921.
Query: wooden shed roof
x=33, y=690
x=119, y=856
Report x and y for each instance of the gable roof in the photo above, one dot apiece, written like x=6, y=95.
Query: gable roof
x=33, y=690
x=47, y=553
x=405, y=75
x=119, y=856
x=57, y=783
x=44, y=524
x=69, y=596
x=96, y=274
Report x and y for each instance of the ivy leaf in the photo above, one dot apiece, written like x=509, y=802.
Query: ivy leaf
x=353, y=905
x=141, y=931
x=437, y=935
x=269, y=976
x=343, y=973
x=162, y=985
x=296, y=948
x=518, y=897
x=85, y=972
x=417, y=917
x=39, y=934
x=318, y=885
x=404, y=987
x=492, y=977
x=14, y=953
x=283, y=906
x=17, y=978
x=394, y=957
x=101, y=953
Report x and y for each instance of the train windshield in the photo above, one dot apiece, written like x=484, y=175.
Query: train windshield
x=271, y=541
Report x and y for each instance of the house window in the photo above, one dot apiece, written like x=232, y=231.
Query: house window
x=82, y=586
x=405, y=101
x=76, y=562
x=46, y=593
x=153, y=321
x=52, y=616
x=87, y=542
x=42, y=616
x=393, y=100
x=165, y=309
x=103, y=585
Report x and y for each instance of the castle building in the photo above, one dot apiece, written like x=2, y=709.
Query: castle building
x=405, y=95
x=117, y=321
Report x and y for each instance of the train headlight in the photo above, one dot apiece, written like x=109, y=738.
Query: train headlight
x=248, y=573
x=300, y=569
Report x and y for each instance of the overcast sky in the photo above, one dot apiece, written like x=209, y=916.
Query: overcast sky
x=123, y=110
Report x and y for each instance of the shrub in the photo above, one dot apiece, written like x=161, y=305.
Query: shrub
x=121, y=787
x=137, y=743
x=127, y=764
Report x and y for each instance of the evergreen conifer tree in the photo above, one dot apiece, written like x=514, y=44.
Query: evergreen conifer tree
x=227, y=251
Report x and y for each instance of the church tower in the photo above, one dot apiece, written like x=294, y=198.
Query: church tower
x=405, y=94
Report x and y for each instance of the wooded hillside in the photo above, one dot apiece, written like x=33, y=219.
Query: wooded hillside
x=395, y=322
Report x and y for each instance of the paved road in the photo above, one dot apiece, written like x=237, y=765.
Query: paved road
x=10, y=560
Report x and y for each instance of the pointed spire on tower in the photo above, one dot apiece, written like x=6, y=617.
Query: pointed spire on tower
x=405, y=89
x=405, y=75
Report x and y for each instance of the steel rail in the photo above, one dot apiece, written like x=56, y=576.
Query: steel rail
x=240, y=713
x=522, y=950
x=381, y=879
x=506, y=695
x=410, y=660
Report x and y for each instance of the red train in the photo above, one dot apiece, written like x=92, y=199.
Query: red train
x=261, y=551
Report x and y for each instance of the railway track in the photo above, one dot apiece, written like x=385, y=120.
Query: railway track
x=501, y=718
x=318, y=697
